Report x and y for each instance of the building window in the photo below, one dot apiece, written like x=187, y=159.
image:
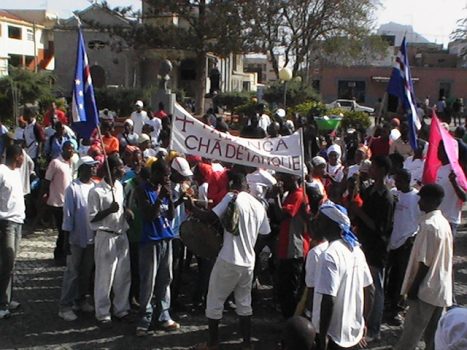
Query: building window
x=15, y=60
x=445, y=90
x=98, y=76
x=349, y=89
x=29, y=35
x=14, y=32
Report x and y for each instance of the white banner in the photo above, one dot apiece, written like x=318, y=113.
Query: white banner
x=191, y=136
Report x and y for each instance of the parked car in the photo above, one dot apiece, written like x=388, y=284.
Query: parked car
x=350, y=105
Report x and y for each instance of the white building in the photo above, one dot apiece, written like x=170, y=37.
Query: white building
x=261, y=64
x=25, y=40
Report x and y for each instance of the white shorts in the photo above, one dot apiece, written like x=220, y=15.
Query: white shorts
x=225, y=279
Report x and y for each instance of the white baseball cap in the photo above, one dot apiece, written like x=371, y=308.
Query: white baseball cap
x=128, y=121
x=139, y=103
x=143, y=138
x=87, y=160
x=181, y=165
x=280, y=113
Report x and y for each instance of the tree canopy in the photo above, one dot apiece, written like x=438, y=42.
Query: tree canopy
x=296, y=29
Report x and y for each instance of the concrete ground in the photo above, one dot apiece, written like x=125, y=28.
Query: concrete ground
x=36, y=323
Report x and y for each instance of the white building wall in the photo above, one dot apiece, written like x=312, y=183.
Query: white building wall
x=24, y=46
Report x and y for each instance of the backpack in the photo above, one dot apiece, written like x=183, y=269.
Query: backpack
x=231, y=218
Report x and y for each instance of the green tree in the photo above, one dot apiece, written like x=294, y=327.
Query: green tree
x=31, y=88
x=297, y=93
x=202, y=27
x=298, y=28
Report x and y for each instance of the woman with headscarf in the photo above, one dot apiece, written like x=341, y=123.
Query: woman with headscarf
x=334, y=167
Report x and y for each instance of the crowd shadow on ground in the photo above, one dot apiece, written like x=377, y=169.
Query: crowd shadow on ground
x=36, y=323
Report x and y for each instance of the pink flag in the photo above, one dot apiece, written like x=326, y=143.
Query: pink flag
x=432, y=163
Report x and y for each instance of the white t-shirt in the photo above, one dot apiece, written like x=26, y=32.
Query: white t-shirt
x=415, y=167
x=157, y=125
x=12, y=206
x=239, y=250
x=342, y=273
x=406, y=218
x=395, y=134
x=26, y=170
x=336, y=171
x=311, y=265
x=139, y=119
x=353, y=169
x=451, y=206
x=264, y=121
x=259, y=181
x=32, y=145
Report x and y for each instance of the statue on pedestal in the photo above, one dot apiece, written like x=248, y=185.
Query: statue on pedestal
x=164, y=73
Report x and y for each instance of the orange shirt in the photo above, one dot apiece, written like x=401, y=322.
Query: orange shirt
x=111, y=144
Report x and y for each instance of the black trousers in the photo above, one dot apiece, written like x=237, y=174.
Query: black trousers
x=397, y=264
x=178, y=257
x=290, y=283
x=59, y=251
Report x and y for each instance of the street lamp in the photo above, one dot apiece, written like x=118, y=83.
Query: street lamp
x=285, y=74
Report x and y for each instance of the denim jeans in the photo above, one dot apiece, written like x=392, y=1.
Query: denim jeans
x=155, y=273
x=376, y=314
x=10, y=237
x=77, y=277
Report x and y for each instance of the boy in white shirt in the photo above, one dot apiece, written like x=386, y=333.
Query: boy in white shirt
x=405, y=226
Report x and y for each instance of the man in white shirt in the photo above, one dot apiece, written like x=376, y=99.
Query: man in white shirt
x=111, y=252
x=12, y=214
x=264, y=120
x=405, y=226
x=344, y=289
x=428, y=278
x=156, y=124
x=139, y=117
x=34, y=137
x=311, y=267
x=233, y=270
x=79, y=243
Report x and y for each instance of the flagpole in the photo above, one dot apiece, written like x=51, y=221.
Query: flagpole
x=98, y=122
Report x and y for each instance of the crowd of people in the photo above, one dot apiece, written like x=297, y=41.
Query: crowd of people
x=360, y=239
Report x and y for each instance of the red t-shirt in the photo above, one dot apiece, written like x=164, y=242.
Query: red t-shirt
x=160, y=114
x=60, y=115
x=293, y=231
x=379, y=147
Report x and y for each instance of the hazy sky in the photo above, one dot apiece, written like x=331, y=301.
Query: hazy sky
x=434, y=19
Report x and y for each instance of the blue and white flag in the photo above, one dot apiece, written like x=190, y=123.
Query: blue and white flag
x=401, y=86
x=84, y=109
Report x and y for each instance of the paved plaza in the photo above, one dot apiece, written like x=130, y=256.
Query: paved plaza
x=36, y=323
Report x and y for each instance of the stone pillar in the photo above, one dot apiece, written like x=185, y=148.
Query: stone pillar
x=164, y=94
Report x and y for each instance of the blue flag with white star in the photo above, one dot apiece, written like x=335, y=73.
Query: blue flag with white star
x=401, y=86
x=84, y=109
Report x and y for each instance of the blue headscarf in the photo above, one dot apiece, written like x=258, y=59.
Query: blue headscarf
x=338, y=214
